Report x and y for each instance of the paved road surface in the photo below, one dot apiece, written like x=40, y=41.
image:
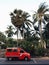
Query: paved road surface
x=34, y=61
x=23, y=64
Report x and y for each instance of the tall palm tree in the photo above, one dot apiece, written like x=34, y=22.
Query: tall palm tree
x=20, y=19
x=39, y=16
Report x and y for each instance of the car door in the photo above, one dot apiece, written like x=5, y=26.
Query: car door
x=21, y=52
x=16, y=53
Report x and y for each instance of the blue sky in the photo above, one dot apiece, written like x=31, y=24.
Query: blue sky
x=7, y=6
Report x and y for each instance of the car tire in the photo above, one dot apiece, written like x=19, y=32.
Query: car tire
x=8, y=59
x=26, y=59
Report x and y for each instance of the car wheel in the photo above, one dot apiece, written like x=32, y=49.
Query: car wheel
x=8, y=58
x=26, y=58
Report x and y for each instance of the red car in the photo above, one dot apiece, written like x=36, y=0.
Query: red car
x=17, y=53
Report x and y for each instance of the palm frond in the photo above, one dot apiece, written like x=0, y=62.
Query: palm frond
x=41, y=7
x=15, y=11
x=20, y=12
x=46, y=10
x=35, y=20
x=11, y=14
x=36, y=28
x=44, y=22
x=28, y=23
x=46, y=17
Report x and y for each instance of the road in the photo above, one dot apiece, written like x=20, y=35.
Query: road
x=34, y=61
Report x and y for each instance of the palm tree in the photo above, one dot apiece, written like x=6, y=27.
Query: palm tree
x=20, y=19
x=39, y=16
x=9, y=31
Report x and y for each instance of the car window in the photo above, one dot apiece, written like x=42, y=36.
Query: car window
x=15, y=50
x=21, y=51
x=9, y=50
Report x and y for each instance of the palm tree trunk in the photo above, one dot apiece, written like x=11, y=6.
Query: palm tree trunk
x=43, y=43
x=40, y=30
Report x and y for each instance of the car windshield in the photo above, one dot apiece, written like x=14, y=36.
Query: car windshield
x=9, y=50
x=21, y=51
x=15, y=50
